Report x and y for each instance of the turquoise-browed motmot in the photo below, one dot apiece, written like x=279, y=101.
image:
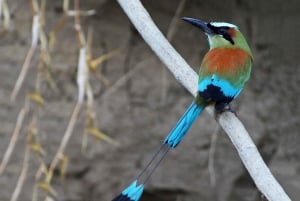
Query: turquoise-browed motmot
x=224, y=70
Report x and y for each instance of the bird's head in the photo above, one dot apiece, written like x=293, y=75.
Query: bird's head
x=221, y=34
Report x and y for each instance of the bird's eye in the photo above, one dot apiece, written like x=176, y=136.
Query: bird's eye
x=222, y=31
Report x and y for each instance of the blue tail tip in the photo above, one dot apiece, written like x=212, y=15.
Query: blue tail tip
x=132, y=193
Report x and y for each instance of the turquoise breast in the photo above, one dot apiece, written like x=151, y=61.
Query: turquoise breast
x=216, y=89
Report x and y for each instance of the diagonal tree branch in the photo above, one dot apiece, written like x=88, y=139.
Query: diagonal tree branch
x=240, y=138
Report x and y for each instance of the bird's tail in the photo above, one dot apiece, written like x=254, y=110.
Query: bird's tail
x=135, y=190
x=184, y=124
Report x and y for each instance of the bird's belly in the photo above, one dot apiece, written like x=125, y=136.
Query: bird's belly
x=215, y=89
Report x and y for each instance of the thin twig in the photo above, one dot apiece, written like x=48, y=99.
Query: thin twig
x=34, y=42
x=22, y=176
x=66, y=137
x=23, y=73
x=171, y=31
x=174, y=22
x=120, y=82
x=15, y=136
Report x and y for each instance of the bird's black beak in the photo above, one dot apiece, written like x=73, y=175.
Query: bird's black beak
x=199, y=23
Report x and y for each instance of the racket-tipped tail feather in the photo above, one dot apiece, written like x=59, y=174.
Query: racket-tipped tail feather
x=132, y=193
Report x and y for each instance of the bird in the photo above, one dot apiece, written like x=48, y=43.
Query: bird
x=224, y=70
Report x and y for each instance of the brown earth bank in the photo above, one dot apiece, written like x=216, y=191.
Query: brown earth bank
x=140, y=111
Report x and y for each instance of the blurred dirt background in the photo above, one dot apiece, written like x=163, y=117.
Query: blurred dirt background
x=138, y=114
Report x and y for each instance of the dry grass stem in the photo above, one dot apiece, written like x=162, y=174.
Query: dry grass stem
x=22, y=176
x=82, y=77
x=15, y=136
x=86, y=65
x=66, y=137
x=23, y=73
x=34, y=42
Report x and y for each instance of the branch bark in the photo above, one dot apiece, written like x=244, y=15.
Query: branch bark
x=240, y=138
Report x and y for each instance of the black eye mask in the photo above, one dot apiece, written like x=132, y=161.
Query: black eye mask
x=221, y=31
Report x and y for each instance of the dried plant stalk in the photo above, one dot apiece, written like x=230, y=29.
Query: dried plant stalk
x=34, y=42
x=15, y=136
x=22, y=176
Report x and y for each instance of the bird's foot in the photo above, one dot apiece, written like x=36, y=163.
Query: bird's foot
x=231, y=109
x=223, y=107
